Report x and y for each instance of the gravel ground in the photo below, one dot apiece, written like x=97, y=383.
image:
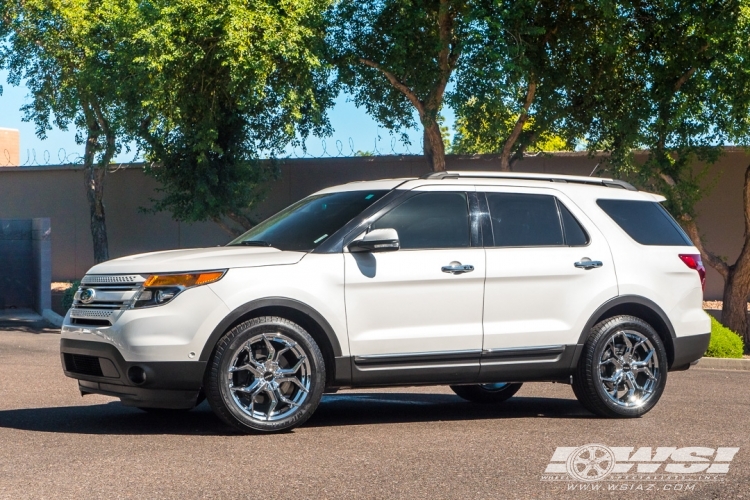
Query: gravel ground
x=384, y=443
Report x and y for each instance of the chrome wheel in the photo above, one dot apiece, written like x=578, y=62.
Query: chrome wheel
x=495, y=387
x=269, y=377
x=629, y=369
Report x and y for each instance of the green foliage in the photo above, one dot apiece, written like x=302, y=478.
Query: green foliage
x=678, y=89
x=215, y=85
x=60, y=51
x=724, y=342
x=530, y=72
x=67, y=298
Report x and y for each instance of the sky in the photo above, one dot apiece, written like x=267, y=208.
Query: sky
x=353, y=130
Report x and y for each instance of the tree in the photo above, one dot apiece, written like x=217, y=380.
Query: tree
x=218, y=84
x=682, y=94
x=532, y=75
x=396, y=57
x=62, y=52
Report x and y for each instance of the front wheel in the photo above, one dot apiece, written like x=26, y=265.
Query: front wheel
x=267, y=374
x=623, y=368
x=486, y=393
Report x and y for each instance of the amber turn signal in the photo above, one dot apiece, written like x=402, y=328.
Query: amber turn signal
x=183, y=280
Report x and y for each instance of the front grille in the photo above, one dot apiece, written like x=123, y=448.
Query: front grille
x=85, y=365
x=111, y=295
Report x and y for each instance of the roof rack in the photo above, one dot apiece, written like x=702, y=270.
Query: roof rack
x=598, y=181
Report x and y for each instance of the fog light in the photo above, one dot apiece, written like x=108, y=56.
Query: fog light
x=137, y=375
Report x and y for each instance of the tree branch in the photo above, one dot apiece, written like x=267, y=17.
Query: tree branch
x=404, y=89
x=518, y=128
x=691, y=227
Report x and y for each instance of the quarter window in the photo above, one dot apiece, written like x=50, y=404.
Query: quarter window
x=647, y=222
x=430, y=220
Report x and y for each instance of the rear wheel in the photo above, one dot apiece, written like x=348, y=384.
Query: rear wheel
x=267, y=374
x=623, y=368
x=487, y=393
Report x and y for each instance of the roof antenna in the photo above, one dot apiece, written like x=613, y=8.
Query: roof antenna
x=595, y=167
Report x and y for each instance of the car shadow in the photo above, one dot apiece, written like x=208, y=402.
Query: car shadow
x=335, y=410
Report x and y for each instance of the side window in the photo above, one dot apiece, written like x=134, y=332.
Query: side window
x=524, y=220
x=575, y=235
x=430, y=220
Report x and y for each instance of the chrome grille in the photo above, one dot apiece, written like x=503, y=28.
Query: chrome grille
x=112, y=295
x=112, y=279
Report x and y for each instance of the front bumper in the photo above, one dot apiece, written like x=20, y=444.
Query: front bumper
x=101, y=369
x=688, y=350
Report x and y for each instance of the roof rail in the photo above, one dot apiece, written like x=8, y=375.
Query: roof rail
x=598, y=181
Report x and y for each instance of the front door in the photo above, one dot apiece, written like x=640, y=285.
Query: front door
x=415, y=315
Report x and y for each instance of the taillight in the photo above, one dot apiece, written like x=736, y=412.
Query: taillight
x=693, y=261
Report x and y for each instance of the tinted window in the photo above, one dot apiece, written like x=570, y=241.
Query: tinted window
x=430, y=220
x=309, y=222
x=575, y=235
x=645, y=221
x=522, y=220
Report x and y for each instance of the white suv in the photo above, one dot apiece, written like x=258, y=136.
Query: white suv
x=477, y=280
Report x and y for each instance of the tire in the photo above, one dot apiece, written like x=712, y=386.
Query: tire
x=623, y=368
x=486, y=394
x=269, y=358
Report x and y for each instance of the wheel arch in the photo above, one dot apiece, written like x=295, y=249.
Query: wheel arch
x=633, y=305
x=302, y=314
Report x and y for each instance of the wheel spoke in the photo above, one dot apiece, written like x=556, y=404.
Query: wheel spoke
x=274, y=401
x=294, y=369
x=645, y=361
x=253, y=388
x=293, y=380
x=628, y=343
x=286, y=400
x=253, y=368
x=269, y=346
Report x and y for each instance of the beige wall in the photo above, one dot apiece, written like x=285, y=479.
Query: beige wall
x=10, y=147
x=58, y=193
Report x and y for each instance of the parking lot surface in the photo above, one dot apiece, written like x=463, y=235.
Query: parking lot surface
x=412, y=442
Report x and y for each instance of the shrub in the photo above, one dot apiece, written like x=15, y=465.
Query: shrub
x=67, y=298
x=724, y=342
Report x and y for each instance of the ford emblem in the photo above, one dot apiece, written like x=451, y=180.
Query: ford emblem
x=87, y=295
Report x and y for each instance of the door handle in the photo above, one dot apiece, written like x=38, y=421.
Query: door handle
x=457, y=268
x=588, y=264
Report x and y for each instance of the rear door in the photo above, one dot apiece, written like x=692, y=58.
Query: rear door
x=548, y=269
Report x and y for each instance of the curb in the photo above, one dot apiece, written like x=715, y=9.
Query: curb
x=723, y=364
x=52, y=317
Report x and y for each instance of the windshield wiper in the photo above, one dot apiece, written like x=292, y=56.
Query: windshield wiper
x=254, y=243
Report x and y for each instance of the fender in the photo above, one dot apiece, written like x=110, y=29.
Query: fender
x=233, y=318
x=617, y=301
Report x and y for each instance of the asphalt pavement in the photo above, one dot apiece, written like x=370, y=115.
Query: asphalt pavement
x=412, y=442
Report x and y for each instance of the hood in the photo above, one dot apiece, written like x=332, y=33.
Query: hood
x=197, y=259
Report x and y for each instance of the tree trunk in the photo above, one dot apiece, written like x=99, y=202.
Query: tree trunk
x=95, y=172
x=737, y=276
x=434, y=149
x=95, y=195
x=734, y=309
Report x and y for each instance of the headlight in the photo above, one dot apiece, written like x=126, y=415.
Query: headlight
x=159, y=289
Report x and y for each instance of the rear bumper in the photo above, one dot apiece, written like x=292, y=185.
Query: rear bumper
x=100, y=369
x=688, y=350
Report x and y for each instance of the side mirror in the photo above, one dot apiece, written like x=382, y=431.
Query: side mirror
x=377, y=240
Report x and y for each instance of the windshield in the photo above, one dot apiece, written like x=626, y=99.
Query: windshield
x=309, y=222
